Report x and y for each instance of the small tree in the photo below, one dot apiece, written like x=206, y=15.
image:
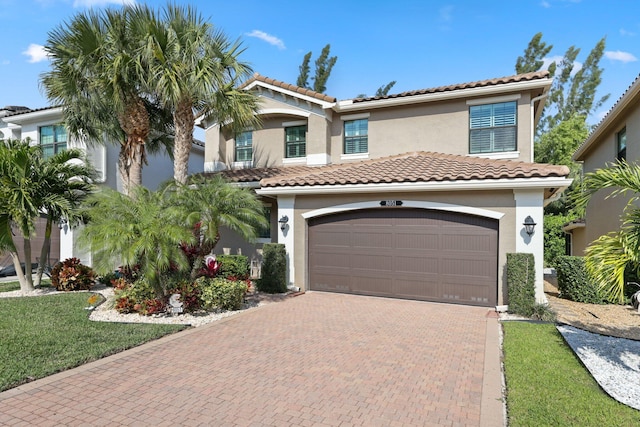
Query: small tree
x=324, y=64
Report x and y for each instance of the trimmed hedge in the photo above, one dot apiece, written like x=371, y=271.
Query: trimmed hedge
x=521, y=283
x=274, y=269
x=236, y=266
x=574, y=282
x=221, y=293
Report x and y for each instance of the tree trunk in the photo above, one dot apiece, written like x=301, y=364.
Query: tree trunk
x=27, y=275
x=44, y=252
x=183, y=121
x=134, y=121
x=21, y=277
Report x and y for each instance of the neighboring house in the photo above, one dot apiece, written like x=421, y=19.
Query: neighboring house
x=417, y=195
x=45, y=126
x=604, y=145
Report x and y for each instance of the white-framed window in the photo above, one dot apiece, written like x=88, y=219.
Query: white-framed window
x=244, y=146
x=53, y=139
x=295, y=141
x=493, y=127
x=621, y=144
x=356, y=136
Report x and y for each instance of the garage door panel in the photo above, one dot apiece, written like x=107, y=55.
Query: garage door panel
x=406, y=253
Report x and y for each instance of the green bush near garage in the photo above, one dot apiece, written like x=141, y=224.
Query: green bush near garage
x=274, y=269
x=521, y=283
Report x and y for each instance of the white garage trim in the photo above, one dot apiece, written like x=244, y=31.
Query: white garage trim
x=405, y=204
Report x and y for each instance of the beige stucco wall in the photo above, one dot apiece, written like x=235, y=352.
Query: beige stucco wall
x=435, y=126
x=497, y=201
x=603, y=214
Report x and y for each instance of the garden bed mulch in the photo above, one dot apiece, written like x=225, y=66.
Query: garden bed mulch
x=621, y=321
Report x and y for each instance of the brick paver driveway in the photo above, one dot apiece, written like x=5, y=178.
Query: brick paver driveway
x=317, y=359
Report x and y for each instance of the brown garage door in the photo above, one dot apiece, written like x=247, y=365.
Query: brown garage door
x=406, y=253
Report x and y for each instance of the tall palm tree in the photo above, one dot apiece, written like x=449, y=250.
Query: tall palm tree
x=213, y=203
x=610, y=256
x=32, y=186
x=194, y=68
x=140, y=230
x=96, y=76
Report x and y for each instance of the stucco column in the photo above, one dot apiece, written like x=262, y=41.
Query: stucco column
x=285, y=208
x=69, y=247
x=531, y=203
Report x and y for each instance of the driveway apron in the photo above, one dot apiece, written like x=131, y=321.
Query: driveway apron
x=316, y=359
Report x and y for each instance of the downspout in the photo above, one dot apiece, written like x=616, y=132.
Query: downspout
x=533, y=128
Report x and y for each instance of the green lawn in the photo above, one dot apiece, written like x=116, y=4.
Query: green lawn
x=547, y=385
x=44, y=335
x=15, y=286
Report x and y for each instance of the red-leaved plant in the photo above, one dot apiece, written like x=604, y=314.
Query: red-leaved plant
x=72, y=275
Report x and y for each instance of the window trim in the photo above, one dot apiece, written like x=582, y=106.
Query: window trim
x=621, y=153
x=245, y=148
x=493, y=127
x=55, y=144
x=299, y=143
x=344, y=136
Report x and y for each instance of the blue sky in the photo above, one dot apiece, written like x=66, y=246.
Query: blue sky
x=420, y=44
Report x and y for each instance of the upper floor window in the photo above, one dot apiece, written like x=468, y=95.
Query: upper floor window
x=53, y=139
x=244, y=147
x=356, y=136
x=621, y=144
x=492, y=128
x=295, y=141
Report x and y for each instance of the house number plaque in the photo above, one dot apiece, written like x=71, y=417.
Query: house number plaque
x=391, y=203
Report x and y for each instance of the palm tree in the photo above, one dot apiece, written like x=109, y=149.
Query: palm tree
x=194, y=69
x=138, y=231
x=610, y=256
x=96, y=76
x=31, y=186
x=67, y=177
x=213, y=203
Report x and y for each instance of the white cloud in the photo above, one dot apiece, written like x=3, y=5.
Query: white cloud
x=6, y=62
x=36, y=53
x=545, y=4
x=272, y=40
x=624, y=32
x=618, y=55
x=92, y=3
x=446, y=13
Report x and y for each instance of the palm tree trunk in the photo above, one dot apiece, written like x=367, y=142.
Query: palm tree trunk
x=135, y=124
x=21, y=277
x=44, y=252
x=183, y=121
x=27, y=276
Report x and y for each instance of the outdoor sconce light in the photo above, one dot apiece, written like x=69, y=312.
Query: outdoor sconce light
x=283, y=222
x=529, y=225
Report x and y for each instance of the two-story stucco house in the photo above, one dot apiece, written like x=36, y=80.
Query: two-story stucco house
x=45, y=127
x=606, y=144
x=418, y=195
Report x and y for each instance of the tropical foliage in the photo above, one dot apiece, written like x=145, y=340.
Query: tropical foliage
x=33, y=186
x=613, y=255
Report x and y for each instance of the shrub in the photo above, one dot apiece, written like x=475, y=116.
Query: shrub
x=221, y=293
x=72, y=275
x=233, y=266
x=108, y=278
x=130, y=297
x=521, y=283
x=574, y=282
x=274, y=269
x=189, y=295
x=554, y=238
x=544, y=313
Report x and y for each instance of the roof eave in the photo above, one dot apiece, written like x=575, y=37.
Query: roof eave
x=32, y=116
x=349, y=105
x=630, y=96
x=559, y=183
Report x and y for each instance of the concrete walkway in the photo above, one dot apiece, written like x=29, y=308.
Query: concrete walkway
x=317, y=359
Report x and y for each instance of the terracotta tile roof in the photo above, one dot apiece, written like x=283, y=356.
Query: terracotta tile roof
x=412, y=167
x=256, y=174
x=537, y=75
x=287, y=86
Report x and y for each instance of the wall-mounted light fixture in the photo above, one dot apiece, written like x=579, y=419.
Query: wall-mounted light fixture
x=529, y=225
x=62, y=223
x=283, y=222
